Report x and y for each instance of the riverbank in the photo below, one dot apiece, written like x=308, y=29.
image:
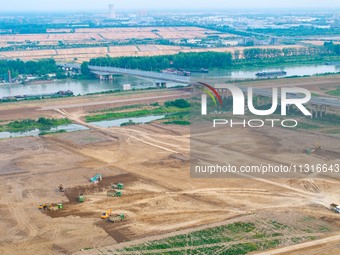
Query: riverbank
x=29, y=124
x=292, y=61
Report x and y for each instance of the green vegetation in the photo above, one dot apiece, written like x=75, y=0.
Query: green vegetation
x=307, y=126
x=333, y=47
x=262, y=57
x=180, y=103
x=252, y=57
x=335, y=92
x=292, y=60
x=126, y=107
x=265, y=53
x=52, y=133
x=16, y=67
x=177, y=122
x=329, y=118
x=259, y=236
x=117, y=91
x=85, y=73
x=130, y=123
x=169, y=108
x=180, y=118
x=28, y=125
x=123, y=115
x=181, y=60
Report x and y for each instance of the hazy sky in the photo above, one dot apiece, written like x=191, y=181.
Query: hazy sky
x=74, y=5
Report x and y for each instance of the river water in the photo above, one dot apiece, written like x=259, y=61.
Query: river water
x=250, y=73
x=36, y=132
x=76, y=127
x=82, y=87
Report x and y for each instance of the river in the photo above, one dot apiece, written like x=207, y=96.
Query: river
x=250, y=73
x=76, y=127
x=82, y=87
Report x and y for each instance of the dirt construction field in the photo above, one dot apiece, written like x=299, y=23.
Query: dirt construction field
x=159, y=198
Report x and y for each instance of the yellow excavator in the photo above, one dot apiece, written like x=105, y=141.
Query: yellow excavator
x=106, y=214
x=317, y=147
x=51, y=207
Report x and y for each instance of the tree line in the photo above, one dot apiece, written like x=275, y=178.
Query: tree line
x=335, y=48
x=39, y=67
x=265, y=53
x=181, y=60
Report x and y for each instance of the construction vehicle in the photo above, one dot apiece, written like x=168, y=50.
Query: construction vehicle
x=114, y=193
x=61, y=188
x=117, y=186
x=42, y=206
x=117, y=218
x=335, y=208
x=317, y=147
x=56, y=207
x=96, y=178
x=106, y=214
x=118, y=194
x=81, y=198
x=51, y=207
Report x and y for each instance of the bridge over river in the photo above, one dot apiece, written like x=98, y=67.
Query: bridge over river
x=318, y=104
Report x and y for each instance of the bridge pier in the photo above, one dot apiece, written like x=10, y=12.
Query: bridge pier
x=104, y=77
x=323, y=110
x=318, y=111
x=160, y=84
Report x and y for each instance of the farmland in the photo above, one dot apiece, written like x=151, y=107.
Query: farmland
x=86, y=53
x=85, y=43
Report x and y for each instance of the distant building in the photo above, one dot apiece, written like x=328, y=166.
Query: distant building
x=194, y=41
x=127, y=87
x=230, y=42
x=112, y=13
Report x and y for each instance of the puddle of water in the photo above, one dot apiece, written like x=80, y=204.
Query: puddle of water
x=119, y=122
x=36, y=132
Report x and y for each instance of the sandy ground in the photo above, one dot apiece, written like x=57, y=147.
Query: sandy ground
x=160, y=197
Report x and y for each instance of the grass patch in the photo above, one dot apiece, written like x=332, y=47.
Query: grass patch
x=240, y=227
x=333, y=131
x=277, y=225
x=251, y=237
x=130, y=123
x=177, y=122
x=308, y=126
x=51, y=133
x=335, y=92
x=43, y=124
x=240, y=249
x=177, y=106
x=126, y=107
x=123, y=115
